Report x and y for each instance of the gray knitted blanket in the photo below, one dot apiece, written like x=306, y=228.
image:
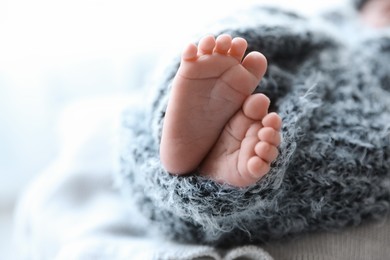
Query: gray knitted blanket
x=329, y=79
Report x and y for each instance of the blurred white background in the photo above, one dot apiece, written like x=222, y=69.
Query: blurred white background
x=56, y=52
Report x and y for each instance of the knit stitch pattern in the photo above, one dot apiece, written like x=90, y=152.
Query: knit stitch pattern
x=333, y=169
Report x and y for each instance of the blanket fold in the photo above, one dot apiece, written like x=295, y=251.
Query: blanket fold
x=73, y=210
x=334, y=166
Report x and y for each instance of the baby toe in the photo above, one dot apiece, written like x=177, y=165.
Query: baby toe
x=266, y=151
x=269, y=135
x=256, y=106
x=190, y=52
x=257, y=167
x=206, y=45
x=238, y=48
x=272, y=120
x=223, y=44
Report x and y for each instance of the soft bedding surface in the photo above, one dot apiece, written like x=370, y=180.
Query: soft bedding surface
x=73, y=210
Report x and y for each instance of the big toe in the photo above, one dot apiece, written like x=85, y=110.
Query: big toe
x=256, y=64
x=256, y=106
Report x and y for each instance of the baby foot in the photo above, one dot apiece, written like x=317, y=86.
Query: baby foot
x=247, y=146
x=376, y=13
x=211, y=85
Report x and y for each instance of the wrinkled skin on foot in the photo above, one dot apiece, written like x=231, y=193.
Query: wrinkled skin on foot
x=212, y=121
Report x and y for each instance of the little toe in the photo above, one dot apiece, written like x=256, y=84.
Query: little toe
x=223, y=44
x=238, y=48
x=190, y=52
x=256, y=106
x=206, y=45
x=266, y=151
x=257, y=167
x=269, y=135
x=272, y=120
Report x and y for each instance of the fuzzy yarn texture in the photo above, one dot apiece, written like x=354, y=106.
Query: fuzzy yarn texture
x=329, y=80
x=359, y=3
